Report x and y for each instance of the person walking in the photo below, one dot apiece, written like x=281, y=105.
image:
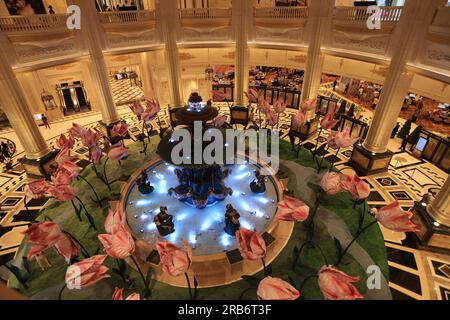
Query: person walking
x=45, y=121
x=395, y=130
x=416, y=115
x=404, y=143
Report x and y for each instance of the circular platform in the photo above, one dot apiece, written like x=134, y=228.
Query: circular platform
x=203, y=228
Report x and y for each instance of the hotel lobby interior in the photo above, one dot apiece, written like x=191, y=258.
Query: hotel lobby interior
x=224, y=150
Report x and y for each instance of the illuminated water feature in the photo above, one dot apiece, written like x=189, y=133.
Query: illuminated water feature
x=202, y=228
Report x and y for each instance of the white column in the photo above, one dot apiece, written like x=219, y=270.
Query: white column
x=242, y=13
x=168, y=20
x=91, y=31
x=318, y=25
x=18, y=111
x=439, y=209
x=416, y=15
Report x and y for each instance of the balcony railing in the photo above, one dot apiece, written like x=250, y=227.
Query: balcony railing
x=127, y=16
x=33, y=23
x=205, y=13
x=282, y=13
x=386, y=14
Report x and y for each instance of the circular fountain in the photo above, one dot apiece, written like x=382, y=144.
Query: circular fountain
x=196, y=195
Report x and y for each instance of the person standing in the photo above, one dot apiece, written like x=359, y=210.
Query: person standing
x=416, y=115
x=394, y=131
x=404, y=143
x=50, y=10
x=45, y=121
x=375, y=103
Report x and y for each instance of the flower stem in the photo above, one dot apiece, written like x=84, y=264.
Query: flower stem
x=92, y=188
x=317, y=140
x=85, y=252
x=189, y=285
x=264, y=266
x=77, y=212
x=354, y=239
x=61, y=291
x=105, y=176
x=147, y=290
x=332, y=164
x=88, y=215
x=321, y=160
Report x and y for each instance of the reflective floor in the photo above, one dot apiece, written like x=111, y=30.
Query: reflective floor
x=202, y=228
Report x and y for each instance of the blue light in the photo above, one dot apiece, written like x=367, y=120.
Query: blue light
x=173, y=236
x=143, y=202
x=181, y=217
x=206, y=224
x=245, y=224
x=263, y=200
x=242, y=175
x=151, y=227
x=171, y=168
x=245, y=206
x=192, y=237
x=225, y=240
x=144, y=216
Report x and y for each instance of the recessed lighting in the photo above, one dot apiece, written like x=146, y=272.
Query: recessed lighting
x=436, y=224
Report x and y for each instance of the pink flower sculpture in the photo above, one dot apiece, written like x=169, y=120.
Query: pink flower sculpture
x=292, y=209
x=117, y=152
x=331, y=183
x=298, y=120
x=64, y=156
x=66, y=247
x=252, y=95
x=251, y=245
x=95, y=154
x=86, y=272
x=137, y=109
x=151, y=111
x=271, y=117
x=263, y=106
x=337, y=285
x=70, y=168
x=118, y=295
x=175, y=261
x=343, y=139
x=43, y=235
x=114, y=220
x=395, y=218
x=61, y=192
x=218, y=95
x=276, y=289
x=65, y=143
x=61, y=177
x=279, y=106
x=90, y=138
x=120, y=129
x=219, y=121
x=357, y=188
x=118, y=245
x=77, y=131
x=35, y=189
x=308, y=104
x=328, y=122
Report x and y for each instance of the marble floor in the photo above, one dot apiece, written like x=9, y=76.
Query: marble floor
x=414, y=274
